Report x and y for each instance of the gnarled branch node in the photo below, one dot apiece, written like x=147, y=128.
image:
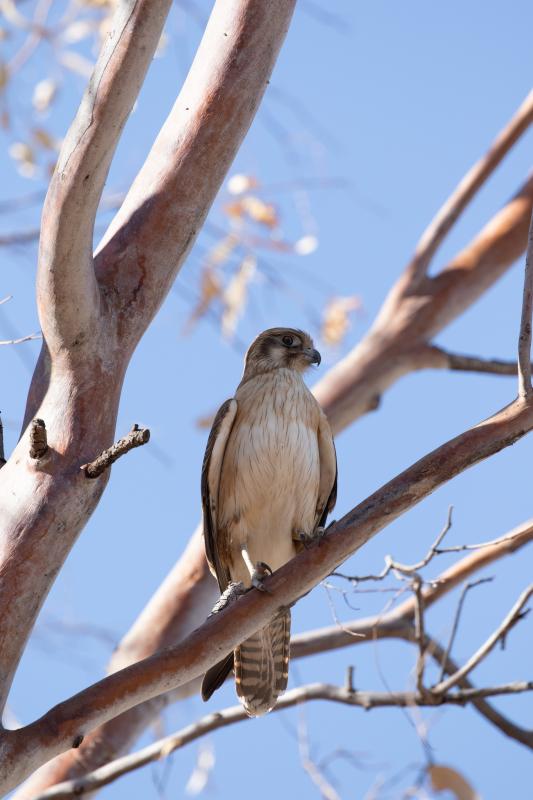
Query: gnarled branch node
x=38, y=439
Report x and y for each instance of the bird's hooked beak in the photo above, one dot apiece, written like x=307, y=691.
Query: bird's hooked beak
x=313, y=356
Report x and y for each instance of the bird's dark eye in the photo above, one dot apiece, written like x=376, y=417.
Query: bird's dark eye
x=288, y=341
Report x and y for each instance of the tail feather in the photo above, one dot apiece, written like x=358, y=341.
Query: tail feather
x=215, y=677
x=262, y=666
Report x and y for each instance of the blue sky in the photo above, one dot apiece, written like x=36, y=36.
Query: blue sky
x=388, y=104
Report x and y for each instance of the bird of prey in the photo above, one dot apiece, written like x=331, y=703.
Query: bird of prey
x=269, y=480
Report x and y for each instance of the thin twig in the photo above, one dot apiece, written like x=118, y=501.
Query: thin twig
x=22, y=339
x=420, y=634
x=229, y=716
x=326, y=790
x=482, y=706
x=404, y=569
x=524, y=340
x=38, y=439
x=474, y=179
x=455, y=625
x=135, y=438
x=20, y=237
x=514, y=616
x=462, y=363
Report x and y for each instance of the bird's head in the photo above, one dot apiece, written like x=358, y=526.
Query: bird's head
x=278, y=348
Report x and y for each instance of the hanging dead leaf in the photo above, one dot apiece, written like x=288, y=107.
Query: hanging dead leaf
x=206, y=421
x=336, y=319
x=448, y=779
x=4, y=76
x=234, y=296
x=44, y=139
x=24, y=156
x=238, y=184
x=5, y=120
x=222, y=250
x=255, y=209
x=210, y=288
x=235, y=211
x=44, y=94
x=261, y=212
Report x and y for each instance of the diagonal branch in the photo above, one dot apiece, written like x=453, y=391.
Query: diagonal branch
x=411, y=316
x=68, y=297
x=177, y=665
x=474, y=179
x=438, y=358
x=514, y=615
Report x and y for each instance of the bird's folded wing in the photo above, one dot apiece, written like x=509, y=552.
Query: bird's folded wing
x=327, y=490
x=211, y=471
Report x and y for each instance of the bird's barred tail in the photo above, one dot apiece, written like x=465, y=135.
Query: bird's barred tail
x=262, y=666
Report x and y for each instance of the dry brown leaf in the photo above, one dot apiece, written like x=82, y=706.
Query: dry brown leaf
x=254, y=208
x=234, y=297
x=261, y=212
x=448, y=779
x=23, y=154
x=205, y=422
x=222, y=250
x=4, y=76
x=235, y=210
x=44, y=139
x=336, y=320
x=210, y=288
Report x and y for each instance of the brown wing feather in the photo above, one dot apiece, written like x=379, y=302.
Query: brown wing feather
x=211, y=467
x=327, y=492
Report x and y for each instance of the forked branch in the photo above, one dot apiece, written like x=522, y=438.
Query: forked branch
x=229, y=716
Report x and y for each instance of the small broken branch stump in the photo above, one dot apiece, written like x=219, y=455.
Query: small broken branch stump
x=38, y=439
x=135, y=438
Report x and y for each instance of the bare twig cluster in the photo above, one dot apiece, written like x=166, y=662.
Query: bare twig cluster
x=405, y=623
